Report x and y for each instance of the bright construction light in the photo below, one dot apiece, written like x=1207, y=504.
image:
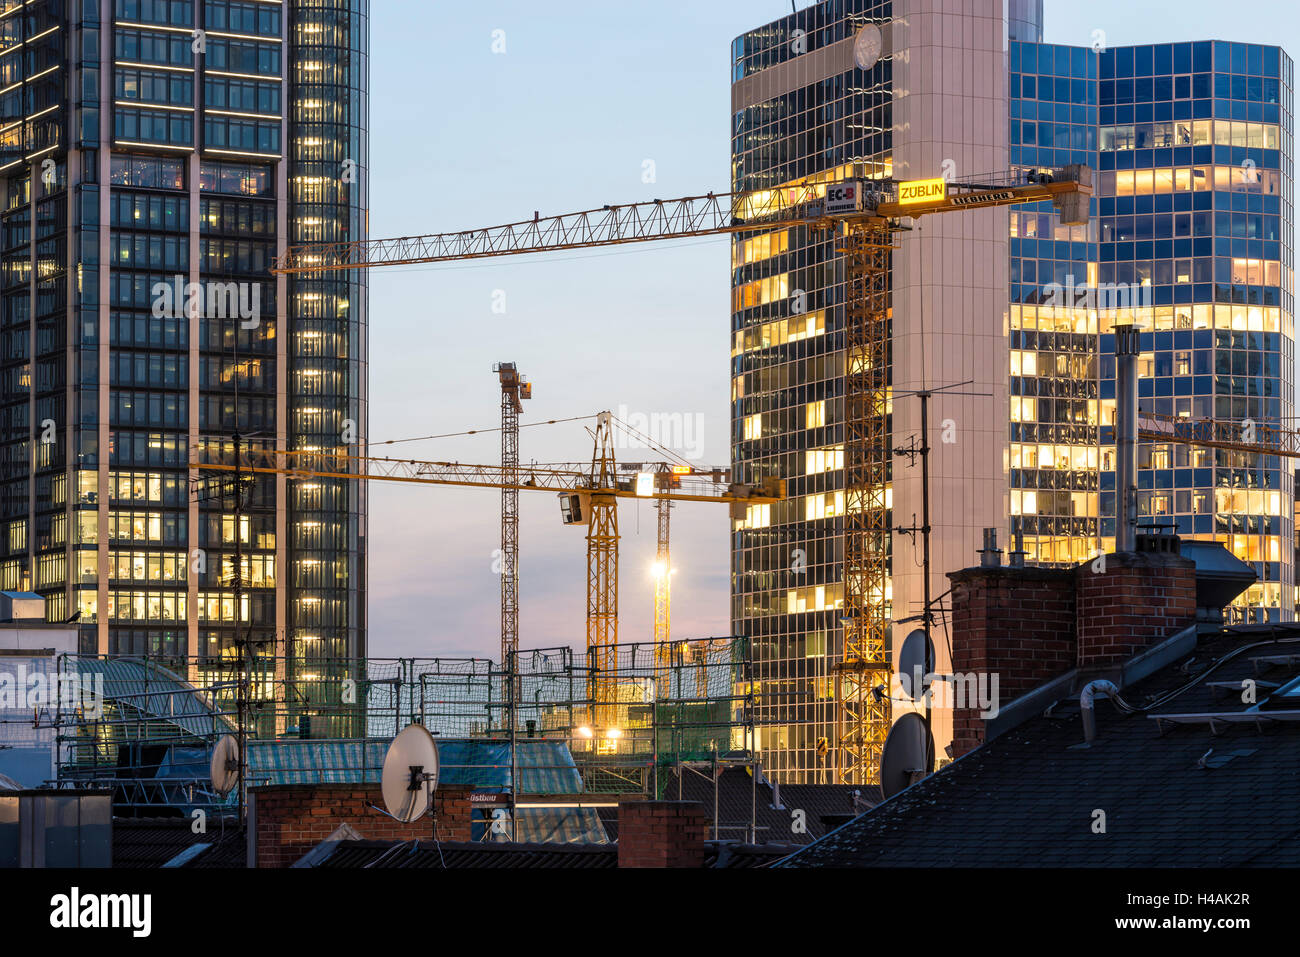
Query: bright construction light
x=613, y=734
x=585, y=731
x=658, y=569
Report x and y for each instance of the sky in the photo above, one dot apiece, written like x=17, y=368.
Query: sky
x=483, y=113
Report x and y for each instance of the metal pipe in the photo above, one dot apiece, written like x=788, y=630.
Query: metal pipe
x=1087, y=697
x=1127, y=346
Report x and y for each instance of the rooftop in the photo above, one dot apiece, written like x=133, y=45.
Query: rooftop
x=171, y=842
x=346, y=854
x=1183, y=791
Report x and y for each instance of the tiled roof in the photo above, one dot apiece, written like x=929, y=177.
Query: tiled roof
x=1032, y=798
x=153, y=842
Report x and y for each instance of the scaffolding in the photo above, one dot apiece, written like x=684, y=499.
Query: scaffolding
x=607, y=725
x=656, y=706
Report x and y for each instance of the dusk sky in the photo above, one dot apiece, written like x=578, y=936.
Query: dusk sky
x=585, y=103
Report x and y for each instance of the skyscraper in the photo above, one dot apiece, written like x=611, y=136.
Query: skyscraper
x=1189, y=238
x=157, y=156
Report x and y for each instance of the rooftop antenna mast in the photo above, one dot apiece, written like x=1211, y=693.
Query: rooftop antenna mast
x=913, y=451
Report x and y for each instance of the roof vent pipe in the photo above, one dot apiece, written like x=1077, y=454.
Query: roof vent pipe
x=990, y=554
x=1018, y=551
x=1091, y=691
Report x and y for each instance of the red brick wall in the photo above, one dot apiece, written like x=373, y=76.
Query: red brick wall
x=661, y=834
x=290, y=819
x=1016, y=623
x=1140, y=599
x=1029, y=625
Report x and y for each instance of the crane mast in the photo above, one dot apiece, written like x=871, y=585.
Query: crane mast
x=863, y=715
x=602, y=573
x=663, y=588
x=514, y=390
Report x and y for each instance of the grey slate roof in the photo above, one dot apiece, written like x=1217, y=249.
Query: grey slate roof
x=171, y=841
x=1029, y=798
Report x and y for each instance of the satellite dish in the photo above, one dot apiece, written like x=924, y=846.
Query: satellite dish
x=867, y=46
x=916, y=655
x=410, y=773
x=225, y=764
x=908, y=754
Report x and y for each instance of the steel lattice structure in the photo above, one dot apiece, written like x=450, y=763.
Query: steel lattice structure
x=513, y=391
x=663, y=568
x=1243, y=436
x=597, y=484
x=602, y=574
x=551, y=477
x=709, y=215
x=862, y=720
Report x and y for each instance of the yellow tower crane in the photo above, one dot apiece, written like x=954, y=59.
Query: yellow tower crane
x=865, y=211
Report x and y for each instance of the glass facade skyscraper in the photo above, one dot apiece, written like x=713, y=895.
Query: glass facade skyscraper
x=328, y=183
x=1055, y=392
x=1191, y=241
x=788, y=366
x=1191, y=145
x=157, y=155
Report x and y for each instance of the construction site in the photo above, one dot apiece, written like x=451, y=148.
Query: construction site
x=825, y=698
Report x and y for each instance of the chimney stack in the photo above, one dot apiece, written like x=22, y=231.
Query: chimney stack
x=661, y=833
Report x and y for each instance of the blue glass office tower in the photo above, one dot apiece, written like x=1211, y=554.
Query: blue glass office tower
x=1191, y=240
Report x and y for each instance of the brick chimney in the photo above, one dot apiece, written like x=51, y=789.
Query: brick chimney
x=661, y=833
x=1030, y=625
x=288, y=820
x=1130, y=601
x=1016, y=623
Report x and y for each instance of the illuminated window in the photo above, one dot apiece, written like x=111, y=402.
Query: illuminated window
x=823, y=460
